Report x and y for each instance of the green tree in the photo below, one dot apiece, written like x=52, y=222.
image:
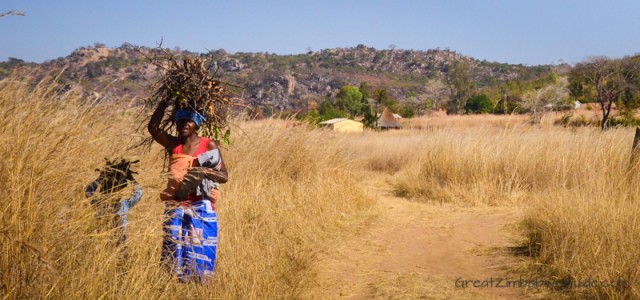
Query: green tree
x=380, y=96
x=370, y=117
x=328, y=111
x=604, y=80
x=479, y=104
x=366, y=98
x=349, y=99
x=382, y=99
x=407, y=110
x=460, y=84
x=365, y=90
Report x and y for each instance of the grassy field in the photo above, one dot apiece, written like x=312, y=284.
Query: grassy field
x=286, y=199
x=295, y=192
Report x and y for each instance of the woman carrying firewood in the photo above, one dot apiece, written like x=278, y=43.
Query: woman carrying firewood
x=196, y=169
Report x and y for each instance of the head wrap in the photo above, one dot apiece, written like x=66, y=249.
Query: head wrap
x=184, y=114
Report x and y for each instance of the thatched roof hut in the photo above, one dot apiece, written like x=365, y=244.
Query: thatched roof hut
x=388, y=121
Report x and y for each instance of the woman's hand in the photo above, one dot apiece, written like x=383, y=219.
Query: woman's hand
x=215, y=196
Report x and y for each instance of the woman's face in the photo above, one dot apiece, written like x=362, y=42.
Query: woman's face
x=186, y=127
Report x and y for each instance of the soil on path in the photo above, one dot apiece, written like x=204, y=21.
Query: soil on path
x=424, y=251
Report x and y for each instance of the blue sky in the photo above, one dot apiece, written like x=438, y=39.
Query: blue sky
x=510, y=31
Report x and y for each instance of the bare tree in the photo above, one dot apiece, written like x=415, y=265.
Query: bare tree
x=392, y=47
x=604, y=79
x=437, y=90
x=535, y=101
x=12, y=13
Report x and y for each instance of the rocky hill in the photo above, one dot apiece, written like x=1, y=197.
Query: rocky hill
x=276, y=82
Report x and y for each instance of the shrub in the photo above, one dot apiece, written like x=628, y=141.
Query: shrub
x=479, y=104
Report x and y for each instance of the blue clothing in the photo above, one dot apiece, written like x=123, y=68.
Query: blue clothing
x=190, y=240
x=184, y=114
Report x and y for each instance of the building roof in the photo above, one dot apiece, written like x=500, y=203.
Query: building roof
x=387, y=120
x=343, y=125
x=333, y=121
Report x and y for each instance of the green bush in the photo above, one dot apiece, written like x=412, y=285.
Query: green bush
x=479, y=104
x=624, y=121
x=568, y=120
x=407, y=111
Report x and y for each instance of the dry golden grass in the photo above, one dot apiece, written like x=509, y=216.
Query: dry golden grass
x=588, y=234
x=440, y=120
x=576, y=183
x=294, y=192
x=286, y=199
x=499, y=166
x=582, y=199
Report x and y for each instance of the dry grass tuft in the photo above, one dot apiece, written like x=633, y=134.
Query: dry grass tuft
x=387, y=152
x=589, y=233
x=502, y=166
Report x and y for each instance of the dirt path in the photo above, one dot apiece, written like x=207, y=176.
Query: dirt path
x=417, y=251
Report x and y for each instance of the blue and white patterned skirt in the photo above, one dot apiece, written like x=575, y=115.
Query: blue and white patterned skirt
x=190, y=240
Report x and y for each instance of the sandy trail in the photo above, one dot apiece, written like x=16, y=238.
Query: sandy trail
x=423, y=251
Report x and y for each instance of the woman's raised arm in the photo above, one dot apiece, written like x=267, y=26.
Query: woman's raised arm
x=162, y=137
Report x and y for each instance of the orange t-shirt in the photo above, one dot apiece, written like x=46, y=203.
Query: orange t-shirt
x=179, y=164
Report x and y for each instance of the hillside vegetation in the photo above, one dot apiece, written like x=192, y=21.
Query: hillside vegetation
x=284, y=83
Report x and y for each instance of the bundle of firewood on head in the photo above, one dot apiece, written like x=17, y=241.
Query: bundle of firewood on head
x=187, y=85
x=115, y=175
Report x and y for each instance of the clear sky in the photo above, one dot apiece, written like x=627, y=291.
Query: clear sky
x=527, y=32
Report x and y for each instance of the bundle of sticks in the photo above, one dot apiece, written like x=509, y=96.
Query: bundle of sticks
x=115, y=174
x=188, y=85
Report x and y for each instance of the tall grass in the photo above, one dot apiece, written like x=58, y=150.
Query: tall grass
x=578, y=188
x=287, y=201
x=587, y=237
x=575, y=184
x=289, y=196
x=293, y=193
x=501, y=166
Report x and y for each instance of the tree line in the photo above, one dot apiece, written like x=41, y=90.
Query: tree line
x=601, y=80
